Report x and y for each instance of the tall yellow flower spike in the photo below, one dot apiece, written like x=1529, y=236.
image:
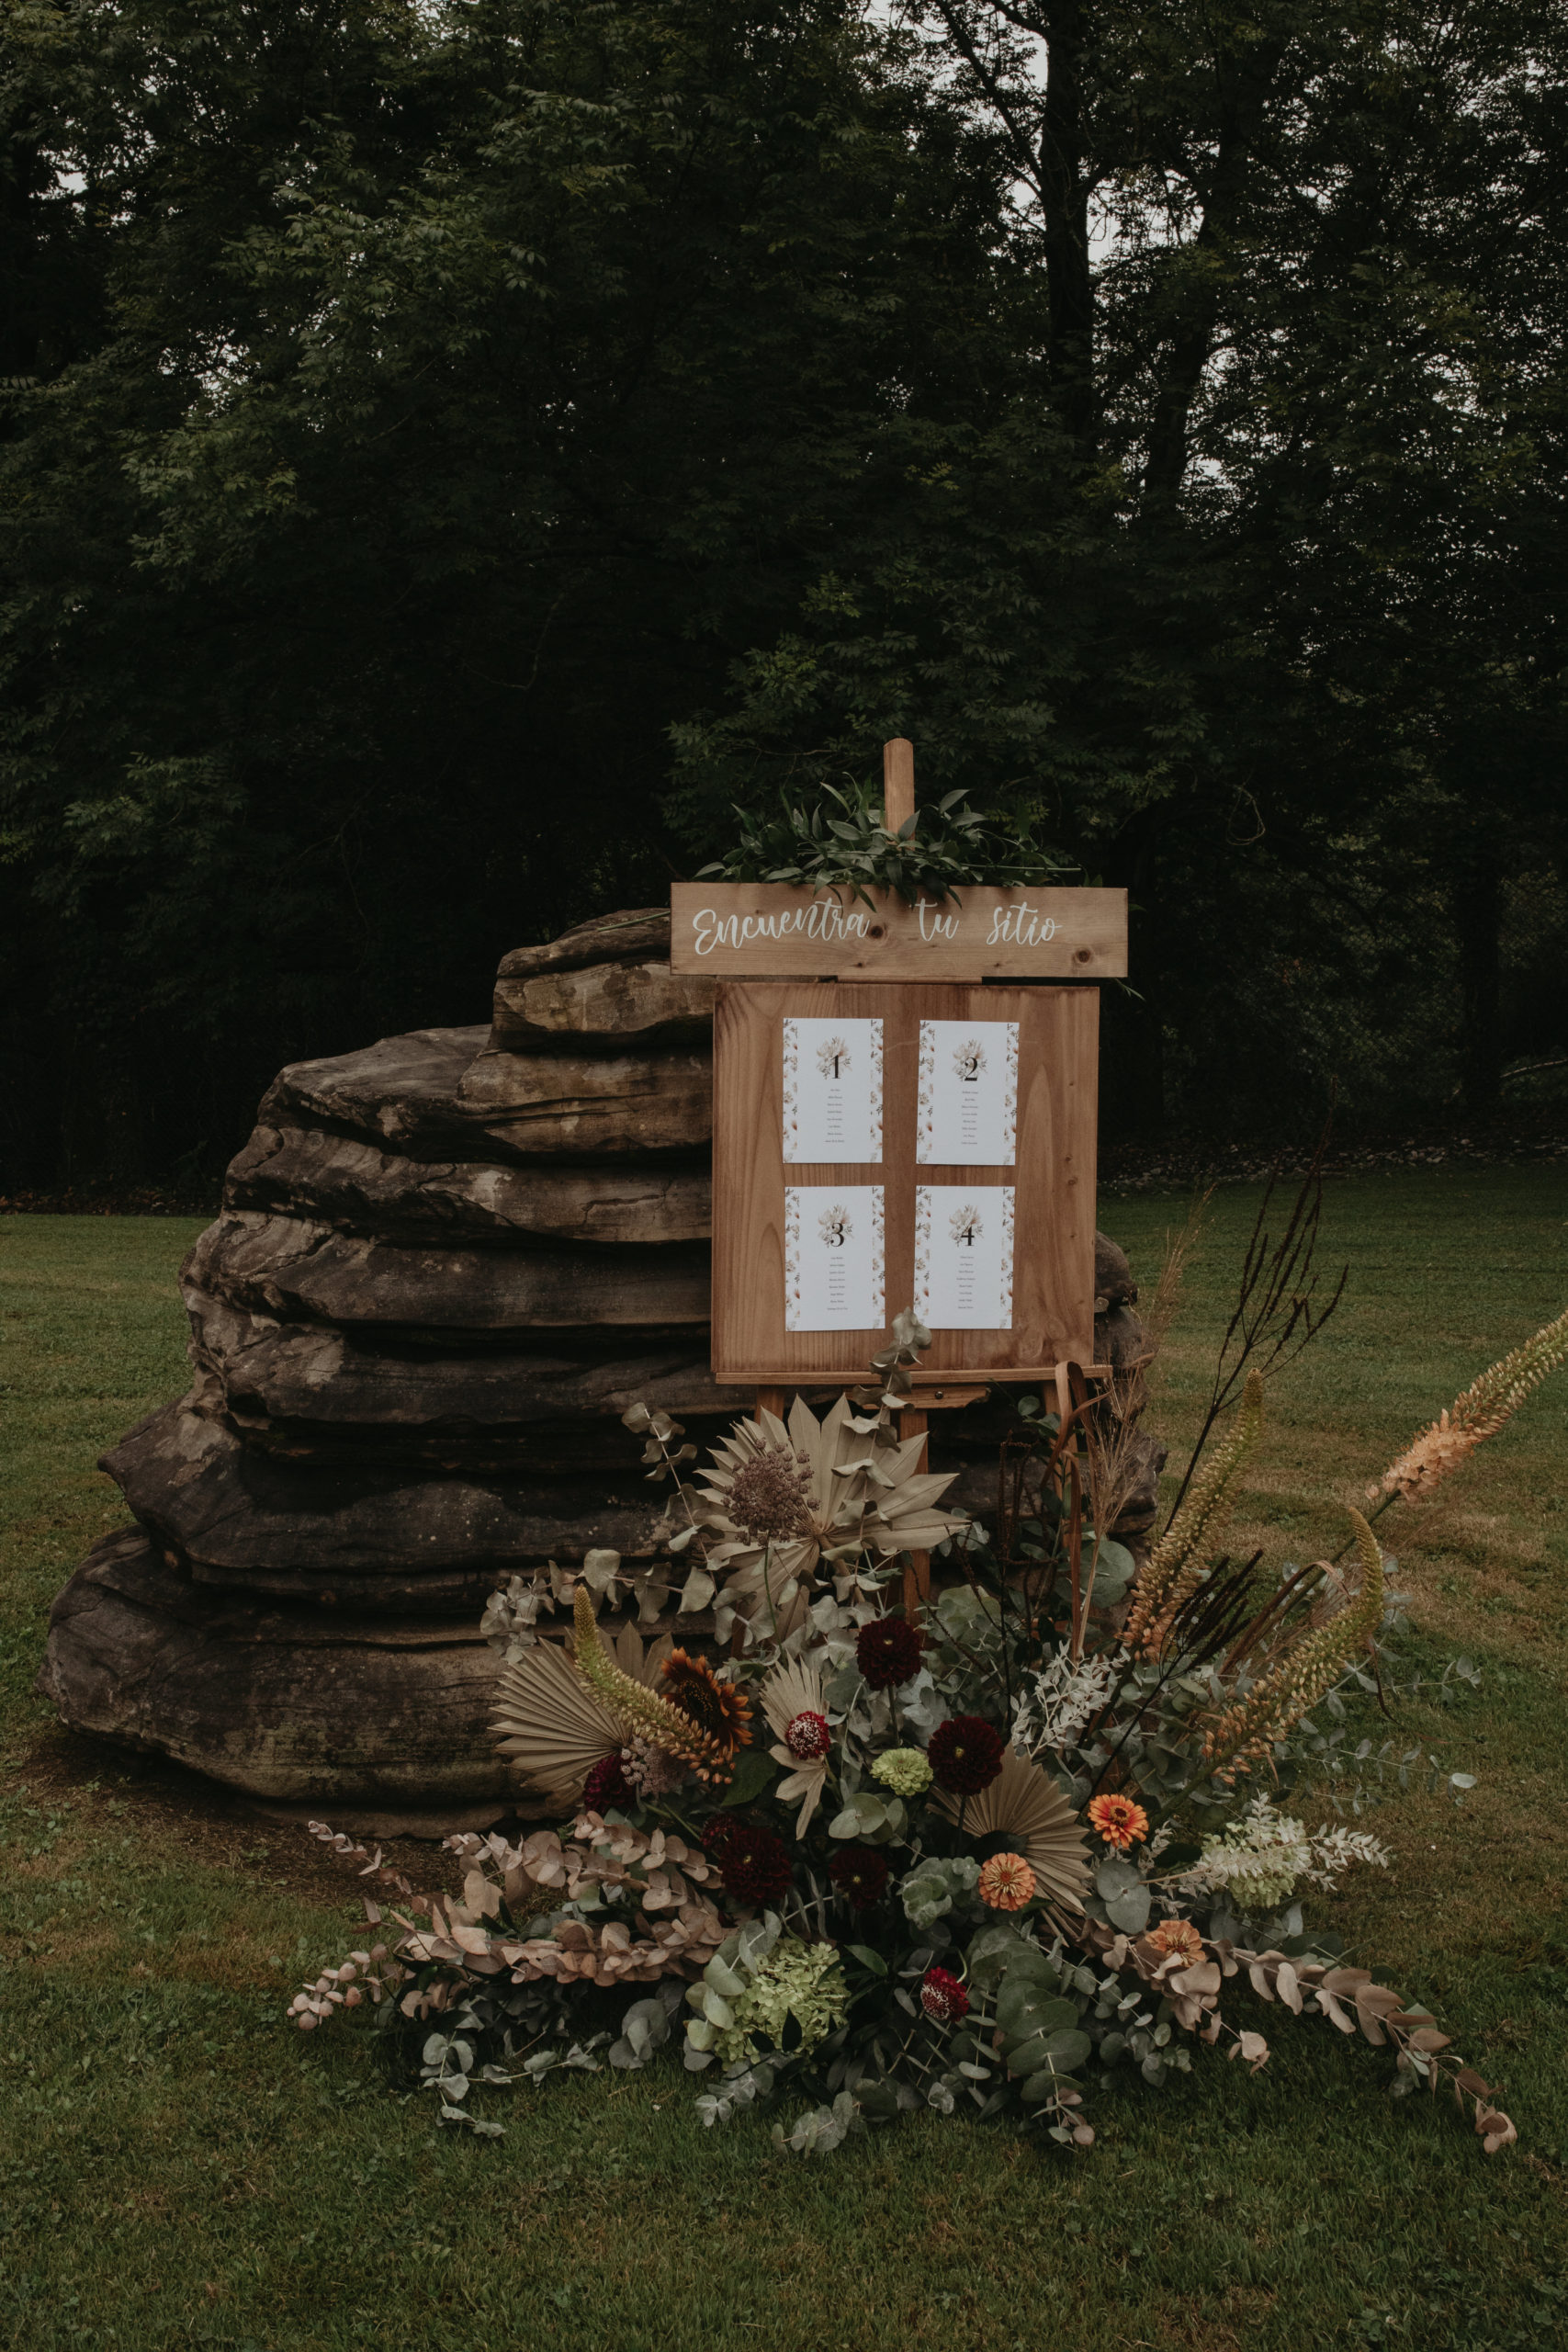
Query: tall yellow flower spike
x=1282, y=1696
x=1490, y=1401
x=643, y=1709
x=1179, y=1564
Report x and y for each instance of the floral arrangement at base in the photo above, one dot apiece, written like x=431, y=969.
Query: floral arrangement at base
x=873, y=1847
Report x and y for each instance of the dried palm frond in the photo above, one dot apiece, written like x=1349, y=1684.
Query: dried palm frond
x=1024, y=1802
x=552, y=1724
x=791, y=1690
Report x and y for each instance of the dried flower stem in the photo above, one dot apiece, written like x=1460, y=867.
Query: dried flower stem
x=1276, y=1312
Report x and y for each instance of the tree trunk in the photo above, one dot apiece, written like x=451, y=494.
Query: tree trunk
x=1478, y=921
x=1064, y=192
x=1248, y=88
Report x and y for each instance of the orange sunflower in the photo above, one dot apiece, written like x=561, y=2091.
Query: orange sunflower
x=715, y=1707
x=1119, y=1821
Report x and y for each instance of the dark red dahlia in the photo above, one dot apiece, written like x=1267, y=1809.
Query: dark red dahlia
x=719, y=1829
x=754, y=1865
x=608, y=1784
x=942, y=1998
x=887, y=1652
x=966, y=1755
x=859, y=1874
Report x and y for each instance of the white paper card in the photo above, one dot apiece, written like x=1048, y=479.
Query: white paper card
x=833, y=1258
x=968, y=1101
x=833, y=1090
x=964, y=1257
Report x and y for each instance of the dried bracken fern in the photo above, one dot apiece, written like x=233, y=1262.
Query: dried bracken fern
x=1245, y=1733
x=1178, y=1563
x=1488, y=1404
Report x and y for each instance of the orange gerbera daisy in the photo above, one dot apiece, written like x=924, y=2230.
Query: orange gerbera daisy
x=1007, y=1883
x=1179, y=1936
x=715, y=1707
x=1119, y=1821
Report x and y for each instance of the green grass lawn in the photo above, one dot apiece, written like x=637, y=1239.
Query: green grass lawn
x=176, y=2168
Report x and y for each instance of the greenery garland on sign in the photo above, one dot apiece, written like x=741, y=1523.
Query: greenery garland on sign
x=931, y=855
x=980, y=1857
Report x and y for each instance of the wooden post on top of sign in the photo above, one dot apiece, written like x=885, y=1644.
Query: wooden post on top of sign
x=898, y=783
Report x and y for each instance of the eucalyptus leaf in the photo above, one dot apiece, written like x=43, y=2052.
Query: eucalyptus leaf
x=754, y=1769
x=1130, y=1912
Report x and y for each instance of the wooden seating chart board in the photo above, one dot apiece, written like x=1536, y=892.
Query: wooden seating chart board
x=1050, y=1179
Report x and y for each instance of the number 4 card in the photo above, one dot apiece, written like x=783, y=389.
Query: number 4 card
x=964, y=1257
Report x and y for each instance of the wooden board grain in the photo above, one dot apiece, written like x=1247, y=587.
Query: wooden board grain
x=1054, y=1178
x=775, y=930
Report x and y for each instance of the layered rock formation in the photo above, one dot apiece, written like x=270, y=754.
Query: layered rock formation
x=445, y=1267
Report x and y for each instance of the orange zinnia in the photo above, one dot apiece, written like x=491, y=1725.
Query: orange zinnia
x=1179, y=1936
x=1007, y=1883
x=1119, y=1821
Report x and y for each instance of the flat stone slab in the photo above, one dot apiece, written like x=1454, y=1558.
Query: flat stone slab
x=401, y=1090
x=301, y=1270
x=440, y=1094
x=642, y=1004
x=615, y=1106
x=297, y=1707
x=375, y=1538
x=632, y=936
x=346, y=1180
x=266, y=1371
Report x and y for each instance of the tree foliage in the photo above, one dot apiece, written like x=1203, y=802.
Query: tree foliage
x=452, y=452
x=1276, y=631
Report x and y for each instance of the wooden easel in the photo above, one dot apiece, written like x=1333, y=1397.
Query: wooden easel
x=941, y=1391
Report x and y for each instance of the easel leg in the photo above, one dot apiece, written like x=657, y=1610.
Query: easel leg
x=918, y=1575
x=772, y=1400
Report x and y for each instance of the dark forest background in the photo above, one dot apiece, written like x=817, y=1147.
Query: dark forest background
x=450, y=452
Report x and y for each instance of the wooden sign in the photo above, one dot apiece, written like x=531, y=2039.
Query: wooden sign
x=878, y=1146
x=777, y=931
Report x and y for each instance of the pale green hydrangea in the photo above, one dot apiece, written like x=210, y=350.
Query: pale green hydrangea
x=796, y=1980
x=905, y=1770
